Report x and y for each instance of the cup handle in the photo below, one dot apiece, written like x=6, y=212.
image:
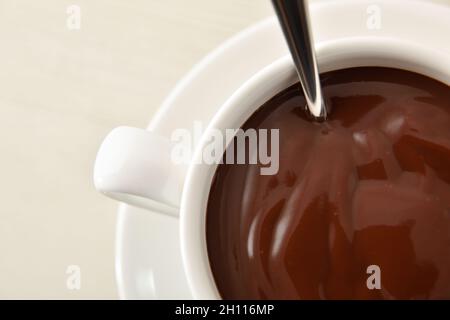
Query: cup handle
x=135, y=166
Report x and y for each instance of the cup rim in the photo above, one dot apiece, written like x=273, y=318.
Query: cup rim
x=331, y=55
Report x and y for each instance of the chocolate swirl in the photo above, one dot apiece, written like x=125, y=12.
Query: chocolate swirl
x=371, y=186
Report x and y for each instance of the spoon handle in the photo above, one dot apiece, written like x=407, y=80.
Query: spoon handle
x=293, y=16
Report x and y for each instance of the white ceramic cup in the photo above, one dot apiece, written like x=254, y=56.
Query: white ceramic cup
x=135, y=165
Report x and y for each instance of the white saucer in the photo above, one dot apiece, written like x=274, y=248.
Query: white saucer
x=148, y=259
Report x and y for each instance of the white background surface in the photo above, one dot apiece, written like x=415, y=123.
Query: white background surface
x=61, y=91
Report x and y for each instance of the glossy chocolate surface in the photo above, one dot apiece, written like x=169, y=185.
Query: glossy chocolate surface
x=370, y=186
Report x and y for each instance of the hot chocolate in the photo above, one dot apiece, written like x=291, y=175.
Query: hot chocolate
x=368, y=187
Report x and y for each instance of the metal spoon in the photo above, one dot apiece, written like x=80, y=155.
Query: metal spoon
x=293, y=16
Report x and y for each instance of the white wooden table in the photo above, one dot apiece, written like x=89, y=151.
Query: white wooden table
x=61, y=91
